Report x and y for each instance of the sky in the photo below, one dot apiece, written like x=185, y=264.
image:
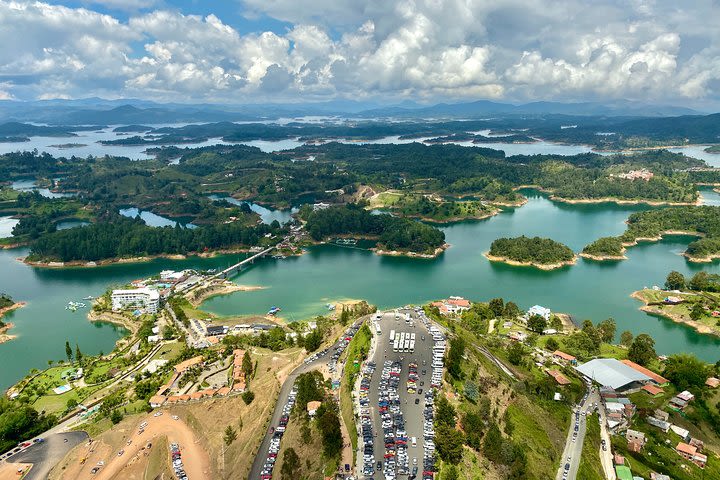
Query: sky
x=426, y=51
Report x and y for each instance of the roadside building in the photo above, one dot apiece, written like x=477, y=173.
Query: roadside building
x=182, y=366
x=712, y=382
x=680, y=432
x=213, y=330
x=157, y=401
x=145, y=298
x=633, y=436
x=613, y=374
x=312, y=407
x=564, y=358
x=661, y=414
x=658, y=379
x=452, y=305
x=681, y=400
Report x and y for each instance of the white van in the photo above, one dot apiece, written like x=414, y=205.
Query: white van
x=413, y=441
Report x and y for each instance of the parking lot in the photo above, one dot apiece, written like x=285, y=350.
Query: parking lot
x=396, y=399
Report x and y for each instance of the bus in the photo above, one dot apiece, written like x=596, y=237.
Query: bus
x=392, y=335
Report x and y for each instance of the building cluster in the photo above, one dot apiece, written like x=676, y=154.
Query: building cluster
x=452, y=306
x=642, y=174
x=170, y=392
x=146, y=294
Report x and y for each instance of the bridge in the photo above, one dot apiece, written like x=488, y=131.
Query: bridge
x=234, y=268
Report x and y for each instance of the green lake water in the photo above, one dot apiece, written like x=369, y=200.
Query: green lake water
x=302, y=286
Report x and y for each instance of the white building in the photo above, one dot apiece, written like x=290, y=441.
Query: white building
x=136, y=298
x=538, y=310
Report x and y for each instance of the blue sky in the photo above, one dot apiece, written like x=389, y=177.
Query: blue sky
x=246, y=51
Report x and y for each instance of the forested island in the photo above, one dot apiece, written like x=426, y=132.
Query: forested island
x=605, y=248
x=700, y=221
x=393, y=234
x=543, y=253
x=124, y=238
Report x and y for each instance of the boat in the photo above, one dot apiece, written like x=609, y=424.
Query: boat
x=73, y=306
x=346, y=241
x=330, y=306
x=89, y=297
x=273, y=310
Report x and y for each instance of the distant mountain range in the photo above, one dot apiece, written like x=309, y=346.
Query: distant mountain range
x=97, y=111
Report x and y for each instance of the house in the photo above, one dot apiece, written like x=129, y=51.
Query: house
x=559, y=377
x=689, y=452
x=517, y=336
x=681, y=432
x=618, y=459
x=635, y=437
x=697, y=443
x=312, y=407
x=157, y=400
x=662, y=415
x=538, y=310
x=135, y=298
x=661, y=424
x=652, y=390
x=182, y=366
x=681, y=400
x=658, y=476
x=564, y=358
x=452, y=305
x=712, y=382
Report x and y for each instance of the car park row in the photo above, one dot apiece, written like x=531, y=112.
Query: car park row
x=277, y=434
x=177, y=462
x=366, y=425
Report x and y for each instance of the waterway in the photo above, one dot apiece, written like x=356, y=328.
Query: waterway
x=267, y=215
x=153, y=219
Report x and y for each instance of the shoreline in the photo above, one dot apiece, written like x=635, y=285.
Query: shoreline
x=697, y=326
x=603, y=258
x=4, y=336
x=483, y=216
x=197, y=297
x=541, y=266
x=141, y=259
x=395, y=253
x=115, y=319
x=575, y=201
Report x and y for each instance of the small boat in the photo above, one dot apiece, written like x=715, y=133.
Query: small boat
x=330, y=306
x=273, y=310
x=346, y=241
x=89, y=297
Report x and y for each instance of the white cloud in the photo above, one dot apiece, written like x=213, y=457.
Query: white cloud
x=421, y=49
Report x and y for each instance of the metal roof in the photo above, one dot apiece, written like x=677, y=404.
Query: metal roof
x=610, y=372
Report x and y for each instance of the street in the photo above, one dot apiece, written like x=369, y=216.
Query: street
x=570, y=460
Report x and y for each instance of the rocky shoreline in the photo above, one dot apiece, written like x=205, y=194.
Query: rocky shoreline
x=197, y=297
x=396, y=253
x=541, y=266
x=603, y=258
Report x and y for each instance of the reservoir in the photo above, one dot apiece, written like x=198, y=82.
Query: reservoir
x=302, y=286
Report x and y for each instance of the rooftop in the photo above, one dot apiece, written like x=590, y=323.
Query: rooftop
x=685, y=448
x=652, y=389
x=612, y=373
x=660, y=380
x=563, y=355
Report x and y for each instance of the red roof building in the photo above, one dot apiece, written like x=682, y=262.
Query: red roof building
x=660, y=380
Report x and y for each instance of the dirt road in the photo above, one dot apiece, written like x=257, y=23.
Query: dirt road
x=195, y=459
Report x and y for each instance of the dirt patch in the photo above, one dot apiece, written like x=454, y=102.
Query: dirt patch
x=10, y=471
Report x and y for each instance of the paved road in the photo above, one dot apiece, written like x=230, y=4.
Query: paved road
x=606, y=457
x=44, y=456
x=412, y=413
x=574, y=443
x=261, y=456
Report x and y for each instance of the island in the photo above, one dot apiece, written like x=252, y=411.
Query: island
x=694, y=302
x=431, y=207
x=394, y=235
x=7, y=304
x=713, y=149
x=542, y=253
x=605, y=248
x=701, y=221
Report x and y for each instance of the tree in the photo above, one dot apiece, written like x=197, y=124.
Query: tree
x=685, y=371
x=78, y=354
x=313, y=340
x=697, y=311
x=675, y=281
x=497, y=305
x=626, y=339
x=699, y=282
x=532, y=339
x=607, y=329
x=449, y=443
x=444, y=411
x=71, y=404
x=511, y=310
x=493, y=443
x=68, y=352
x=515, y=353
x=450, y=473
x=116, y=416
x=454, y=361
x=345, y=316
x=229, y=436
x=556, y=323
x=247, y=367
x=552, y=344
x=329, y=426
x=642, y=350
x=537, y=323
x=248, y=396
x=290, y=469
